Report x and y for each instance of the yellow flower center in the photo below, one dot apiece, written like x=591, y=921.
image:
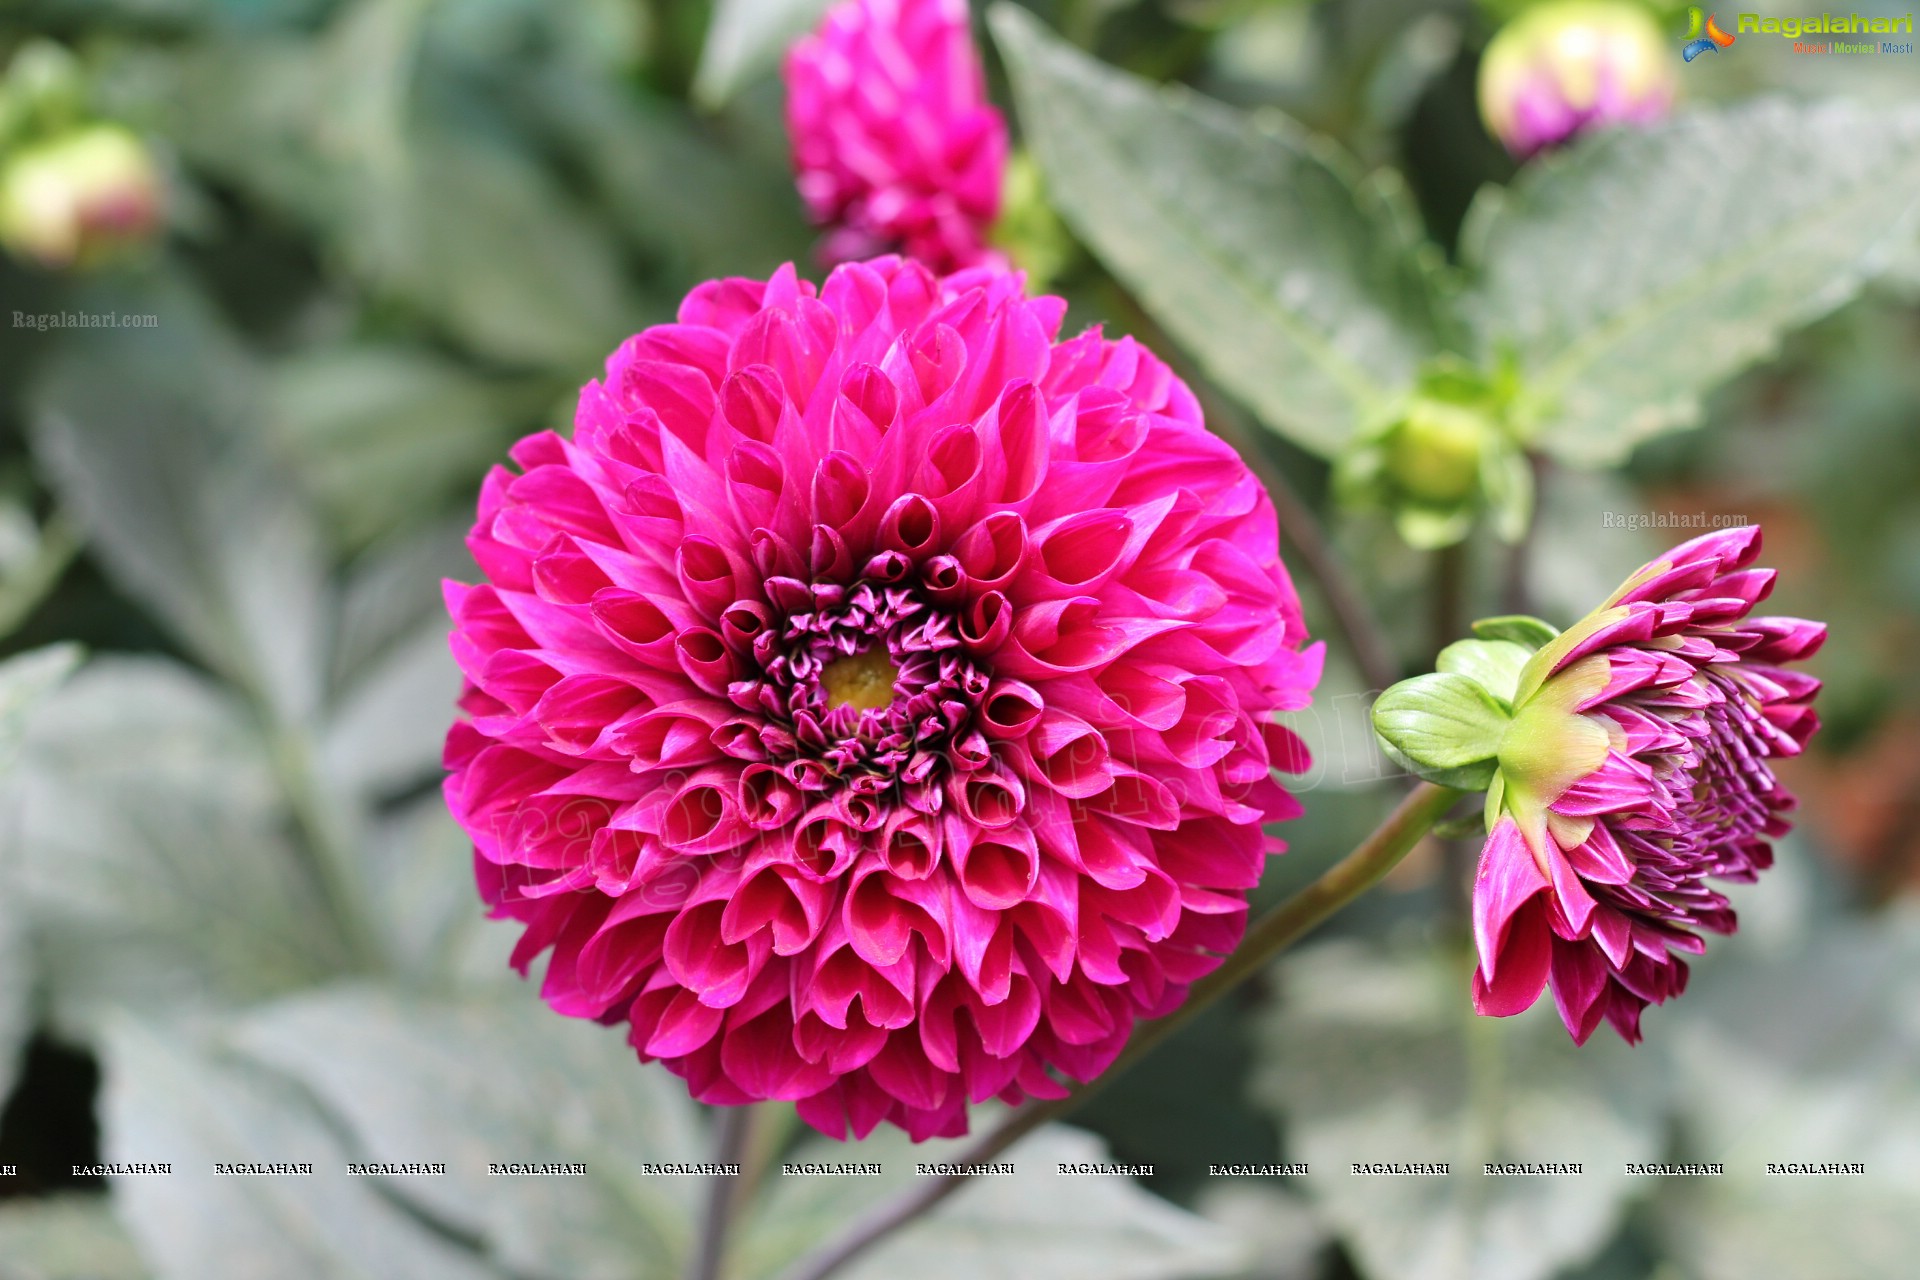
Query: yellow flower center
x=863, y=680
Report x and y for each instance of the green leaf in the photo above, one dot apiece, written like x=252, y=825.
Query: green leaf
x=1516, y=628
x=171, y=1097
x=503, y=1080
x=26, y=680
x=392, y=590
x=25, y=683
x=1245, y=236
x=418, y=203
x=151, y=852
x=150, y=435
x=1494, y=665
x=699, y=206
x=1378, y=1057
x=66, y=1238
x=1440, y=725
x=387, y=732
x=1637, y=272
x=382, y=434
x=1033, y=1223
x=747, y=38
x=1801, y=1052
x=476, y=234
x=417, y=865
x=16, y=991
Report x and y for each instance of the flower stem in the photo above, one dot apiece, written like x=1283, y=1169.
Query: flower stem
x=1338, y=885
x=732, y=1135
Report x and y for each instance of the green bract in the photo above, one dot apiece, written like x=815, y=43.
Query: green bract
x=1486, y=719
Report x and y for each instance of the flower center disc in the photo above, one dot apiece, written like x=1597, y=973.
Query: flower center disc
x=863, y=680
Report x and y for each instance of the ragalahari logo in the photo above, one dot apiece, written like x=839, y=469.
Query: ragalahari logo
x=1702, y=37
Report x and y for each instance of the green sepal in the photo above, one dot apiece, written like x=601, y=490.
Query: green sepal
x=1528, y=633
x=1493, y=664
x=1443, y=727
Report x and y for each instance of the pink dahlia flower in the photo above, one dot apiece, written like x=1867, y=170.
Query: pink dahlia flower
x=1635, y=768
x=894, y=142
x=871, y=703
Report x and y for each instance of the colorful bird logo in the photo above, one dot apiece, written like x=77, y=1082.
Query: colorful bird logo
x=1697, y=43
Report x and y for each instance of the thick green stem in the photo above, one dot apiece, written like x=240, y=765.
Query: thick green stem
x=1340, y=884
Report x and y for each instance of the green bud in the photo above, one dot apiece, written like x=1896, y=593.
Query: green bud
x=1444, y=458
x=1433, y=456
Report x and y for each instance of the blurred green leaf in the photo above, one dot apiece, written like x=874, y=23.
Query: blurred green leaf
x=452, y=216
x=1377, y=1056
x=25, y=682
x=393, y=590
x=171, y=1097
x=747, y=38
x=66, y=1238
x=503, y=1080
x=382, y=434
x=149, y=435
x=1285, y=1233
x=1640, y=270
x=478, y=236
x=418, y=867
x=387, y=732
x=674, y=186
x=1034, y=1223
x=1247, y=237
x=1804, y=1054
x=152, y=854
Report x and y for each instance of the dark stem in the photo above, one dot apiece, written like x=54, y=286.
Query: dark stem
x=1449, y=594
x=1338, y=885
x=1449, y=622
x=732, y=1134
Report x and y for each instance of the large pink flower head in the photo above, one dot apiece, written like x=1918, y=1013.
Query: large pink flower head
x=1635, y=768
x=894, y=142
x=872, y=702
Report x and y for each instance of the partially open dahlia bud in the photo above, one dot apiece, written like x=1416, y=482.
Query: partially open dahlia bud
x=872, y=703
x=1625, y=762
x=895, y=146
x=1561, y=69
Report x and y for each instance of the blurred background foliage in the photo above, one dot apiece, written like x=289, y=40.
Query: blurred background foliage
x=235, y=922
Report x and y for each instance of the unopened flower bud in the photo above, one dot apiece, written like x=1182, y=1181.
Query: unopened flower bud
x=79, y=197
x=1445, y=458
x=1565, y=68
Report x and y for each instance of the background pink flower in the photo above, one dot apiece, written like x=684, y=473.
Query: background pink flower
x=1634, y=770
x=872, y=702
x=895, y=145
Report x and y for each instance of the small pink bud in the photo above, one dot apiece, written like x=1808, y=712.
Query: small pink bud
x=79, y=197
x=1565, y=68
